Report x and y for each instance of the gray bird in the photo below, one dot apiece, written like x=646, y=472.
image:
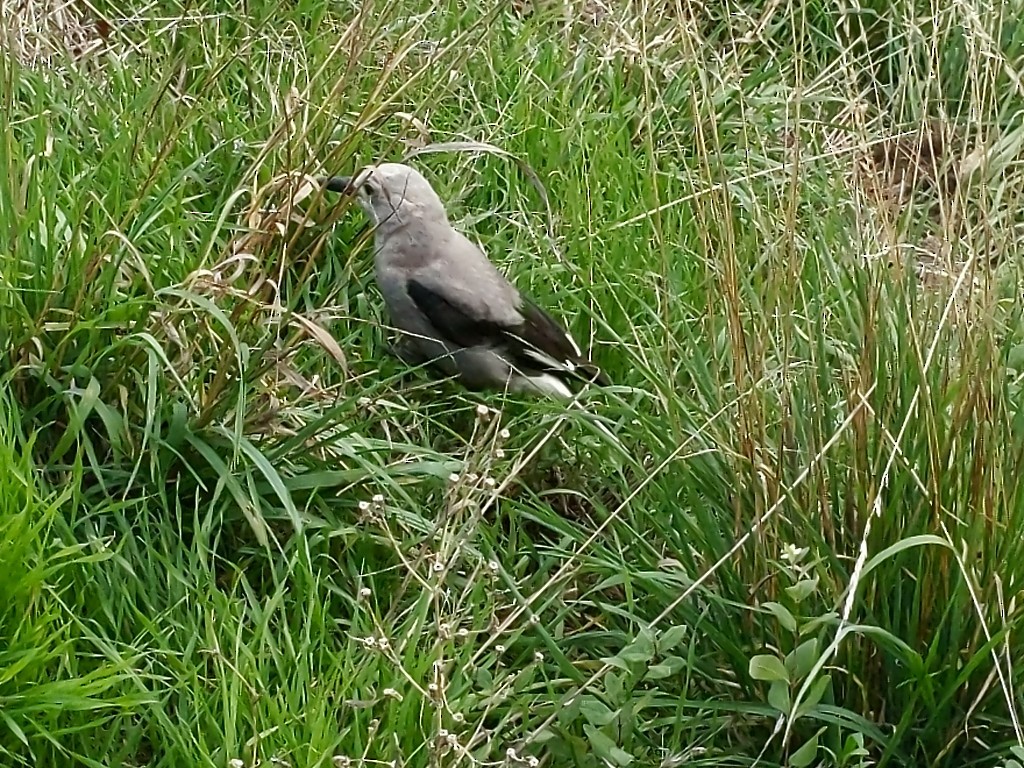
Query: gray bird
x=455, y=309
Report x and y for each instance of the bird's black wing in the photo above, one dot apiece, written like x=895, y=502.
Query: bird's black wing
x=542, y=333
x=538, y=343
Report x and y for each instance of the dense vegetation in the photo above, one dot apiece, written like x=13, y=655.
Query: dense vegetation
x=233, y=531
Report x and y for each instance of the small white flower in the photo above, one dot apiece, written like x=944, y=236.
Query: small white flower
x=504, y=434
x=794, y=554
x=364, y=506
x=378, y=498
x=538, y=656
x=532, y=761
x=481, y=410
x=453, y=477
x=499, y=648
x=365, y=592
x=234, y=762
x=493, y=565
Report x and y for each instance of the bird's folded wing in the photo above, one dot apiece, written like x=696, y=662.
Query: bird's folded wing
x=526, y=333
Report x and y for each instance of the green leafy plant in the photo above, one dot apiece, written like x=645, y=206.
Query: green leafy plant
x=239, y=532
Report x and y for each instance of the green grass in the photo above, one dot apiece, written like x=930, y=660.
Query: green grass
x=233, y=529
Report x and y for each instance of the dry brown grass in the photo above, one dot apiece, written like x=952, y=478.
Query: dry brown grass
x=49, y=33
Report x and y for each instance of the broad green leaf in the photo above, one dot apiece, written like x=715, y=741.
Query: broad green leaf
x=814, y=695
x=605, y=748
x=802, y=589
x=484, y=678
x=613, y=687
x=596, y=712
x=801, y=659
x=617, y=661
x=768, y=667
x=806, y=754
x=778, y=696
x=672, y=637
x=671, y=666
x=831, y=618
x=570, y=712
x=640, y=651
x=781, y=612
x=854, y=746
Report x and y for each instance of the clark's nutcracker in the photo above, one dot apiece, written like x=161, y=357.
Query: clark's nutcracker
x=456, y=311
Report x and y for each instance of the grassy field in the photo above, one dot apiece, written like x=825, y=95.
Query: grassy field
x=234, y=532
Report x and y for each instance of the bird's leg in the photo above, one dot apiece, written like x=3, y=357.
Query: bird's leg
x=412, y=355
x=409, y=355
x=405, y=352
x=400, y=350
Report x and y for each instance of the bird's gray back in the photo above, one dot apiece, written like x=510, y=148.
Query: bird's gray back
x=450, y=265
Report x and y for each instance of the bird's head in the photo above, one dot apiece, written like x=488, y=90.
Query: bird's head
x=392, y=194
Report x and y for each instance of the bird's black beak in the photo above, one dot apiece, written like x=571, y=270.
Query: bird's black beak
x=342, y=184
